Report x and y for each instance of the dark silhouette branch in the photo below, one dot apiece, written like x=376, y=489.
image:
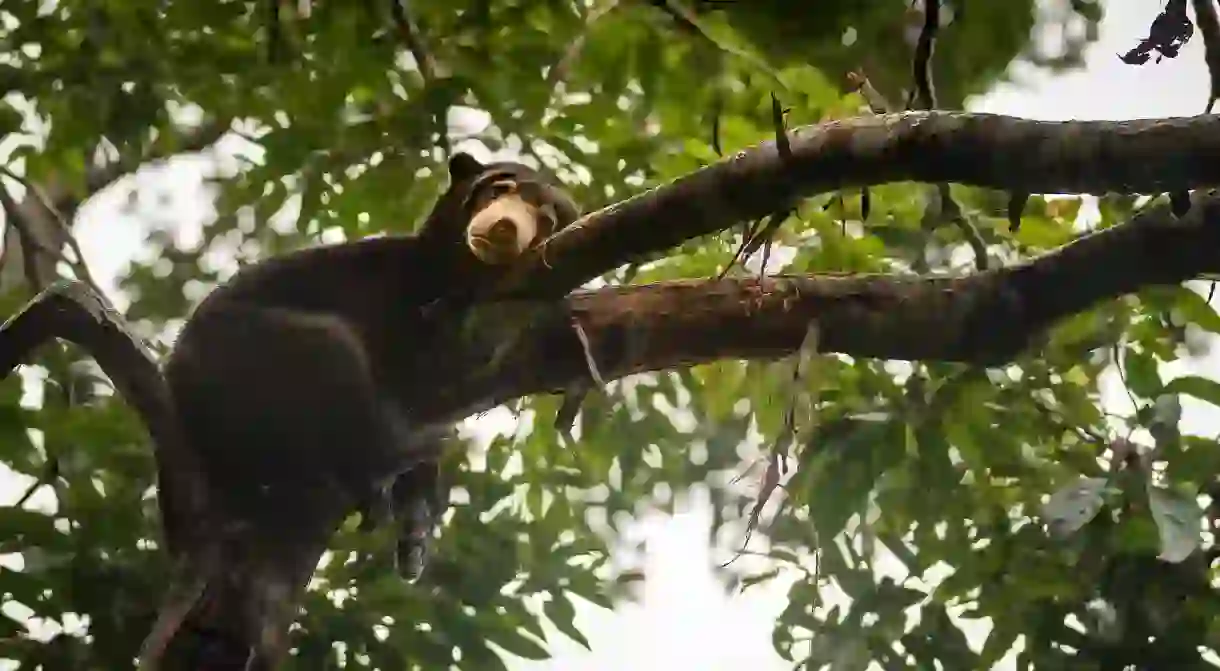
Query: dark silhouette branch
x=1209, y=25
x=194, y=536
x=923, y=95
x=40, y=224
x=70, y=310
x=409, y=32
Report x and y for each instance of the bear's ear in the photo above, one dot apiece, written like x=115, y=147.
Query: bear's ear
x=463, y=166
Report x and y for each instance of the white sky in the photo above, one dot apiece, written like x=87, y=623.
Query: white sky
x=684, y=620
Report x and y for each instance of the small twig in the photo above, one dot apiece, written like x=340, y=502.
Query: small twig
x=430, y=72
x=588, y=351
x=569, y=407
x=49, y=473
x=408, y=31
x=275, y=32
x=1117, y=353
x=750, y=233
x=717, y=112
x=923, y=96
x=1209, y=25
x=777, y=462
x=760, y=235
x=877, y=104
x=950, y=211
x=29, y=243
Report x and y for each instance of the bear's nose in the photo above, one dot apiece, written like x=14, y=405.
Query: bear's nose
x=504, y=230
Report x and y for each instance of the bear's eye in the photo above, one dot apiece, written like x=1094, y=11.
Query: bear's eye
x=501, y=189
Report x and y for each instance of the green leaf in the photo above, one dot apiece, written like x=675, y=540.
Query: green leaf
x=1201, y=388
x=1141, y=373
x=1178, y=517
x=516, y=642
x=1196, y=310
x=1074, y=505
x=562, y=614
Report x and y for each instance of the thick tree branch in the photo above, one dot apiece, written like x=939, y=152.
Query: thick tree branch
x=70, y=310
x=987, y=318
x=987, y=150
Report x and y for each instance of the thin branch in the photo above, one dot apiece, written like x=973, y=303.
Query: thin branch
x=79, y=266
x=760, y=235
x=949, y=211
x=30, y=243
x=858, y=81
x=409, y=33
x=48, y=476
x=275, y=32
x=923, y=96
x=1209, y=25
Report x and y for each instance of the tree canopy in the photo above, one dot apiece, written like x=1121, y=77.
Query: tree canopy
x=1073, y=532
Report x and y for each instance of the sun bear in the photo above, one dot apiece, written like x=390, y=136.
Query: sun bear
x=293, y=373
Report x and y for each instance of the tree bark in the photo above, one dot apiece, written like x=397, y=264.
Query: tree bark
x=985, y=319
x=984, y=150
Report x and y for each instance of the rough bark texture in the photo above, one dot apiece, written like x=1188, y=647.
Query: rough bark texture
x=986, y=318
x=987, y=150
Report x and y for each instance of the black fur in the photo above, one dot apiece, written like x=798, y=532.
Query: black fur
x=281, y=370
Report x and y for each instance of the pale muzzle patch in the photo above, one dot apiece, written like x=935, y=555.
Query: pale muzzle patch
x=504, y=230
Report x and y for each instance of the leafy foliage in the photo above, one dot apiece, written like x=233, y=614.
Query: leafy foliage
x=903, y=469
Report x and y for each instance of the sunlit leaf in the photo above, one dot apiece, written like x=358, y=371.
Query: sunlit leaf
x=1178, y=519
x=1074, y=505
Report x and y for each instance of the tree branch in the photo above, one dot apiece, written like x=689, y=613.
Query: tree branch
x=1209, y=25
x=986, y=150
x=986, y=318
x=409, y=33
x=194, y=535
x=69, y=310
x=35, y=234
